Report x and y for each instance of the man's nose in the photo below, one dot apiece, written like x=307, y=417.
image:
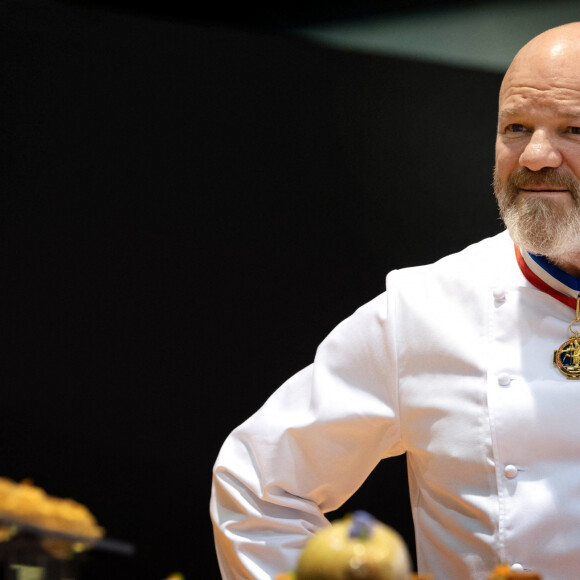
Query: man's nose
x=540, y=152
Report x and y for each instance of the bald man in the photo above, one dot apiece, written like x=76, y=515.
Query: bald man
x=464, y=365
x=538, y=147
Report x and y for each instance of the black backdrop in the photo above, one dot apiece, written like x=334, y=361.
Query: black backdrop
x=186, y=211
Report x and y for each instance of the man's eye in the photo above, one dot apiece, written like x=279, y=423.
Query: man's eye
x=574, y=130
x=515, y=128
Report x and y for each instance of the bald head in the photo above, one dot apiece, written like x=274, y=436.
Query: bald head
x=552, y=54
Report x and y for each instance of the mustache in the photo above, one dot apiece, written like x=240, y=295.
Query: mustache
x=548, y=176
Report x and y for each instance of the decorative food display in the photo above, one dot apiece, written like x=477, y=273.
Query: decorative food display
x=41, y=536
x=356, y=547
x=359, y=547
x=29, y=505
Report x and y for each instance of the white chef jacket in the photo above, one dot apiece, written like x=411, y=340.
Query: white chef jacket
x=453, y=365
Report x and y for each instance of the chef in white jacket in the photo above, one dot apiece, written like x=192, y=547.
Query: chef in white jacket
x=467, y=365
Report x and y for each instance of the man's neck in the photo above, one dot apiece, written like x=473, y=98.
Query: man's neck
x=570, y=264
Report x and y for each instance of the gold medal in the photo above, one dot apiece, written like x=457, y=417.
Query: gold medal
x=567, y=357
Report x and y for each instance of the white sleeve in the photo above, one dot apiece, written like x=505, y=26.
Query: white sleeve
x=308, y=449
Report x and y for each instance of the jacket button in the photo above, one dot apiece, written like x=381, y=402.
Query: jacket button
x=499, y=294
x=510, y=471
x=517, y=567
x=503, y=379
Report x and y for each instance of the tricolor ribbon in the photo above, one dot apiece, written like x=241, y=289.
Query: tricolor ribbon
x=548, y=278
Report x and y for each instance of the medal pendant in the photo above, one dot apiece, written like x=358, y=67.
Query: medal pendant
x=567, y=358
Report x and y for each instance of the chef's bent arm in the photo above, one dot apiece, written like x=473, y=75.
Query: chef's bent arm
x=308, y=449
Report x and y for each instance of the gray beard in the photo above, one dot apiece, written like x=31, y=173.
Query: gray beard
x=539, y=225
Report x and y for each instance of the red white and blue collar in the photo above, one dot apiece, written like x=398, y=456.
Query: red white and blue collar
x=548, y=278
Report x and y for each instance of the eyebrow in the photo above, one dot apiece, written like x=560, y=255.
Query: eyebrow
x=510, y=112
x=502, y=113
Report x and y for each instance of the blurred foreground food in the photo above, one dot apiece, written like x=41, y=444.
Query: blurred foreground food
x=25, y=503
x=41, y=536
x=359, y=547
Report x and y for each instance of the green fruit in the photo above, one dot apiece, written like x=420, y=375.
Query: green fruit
x=357, y=547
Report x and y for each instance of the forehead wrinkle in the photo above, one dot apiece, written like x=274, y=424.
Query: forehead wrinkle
x=557, y=90
x=537, y=77
x=523, y=100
